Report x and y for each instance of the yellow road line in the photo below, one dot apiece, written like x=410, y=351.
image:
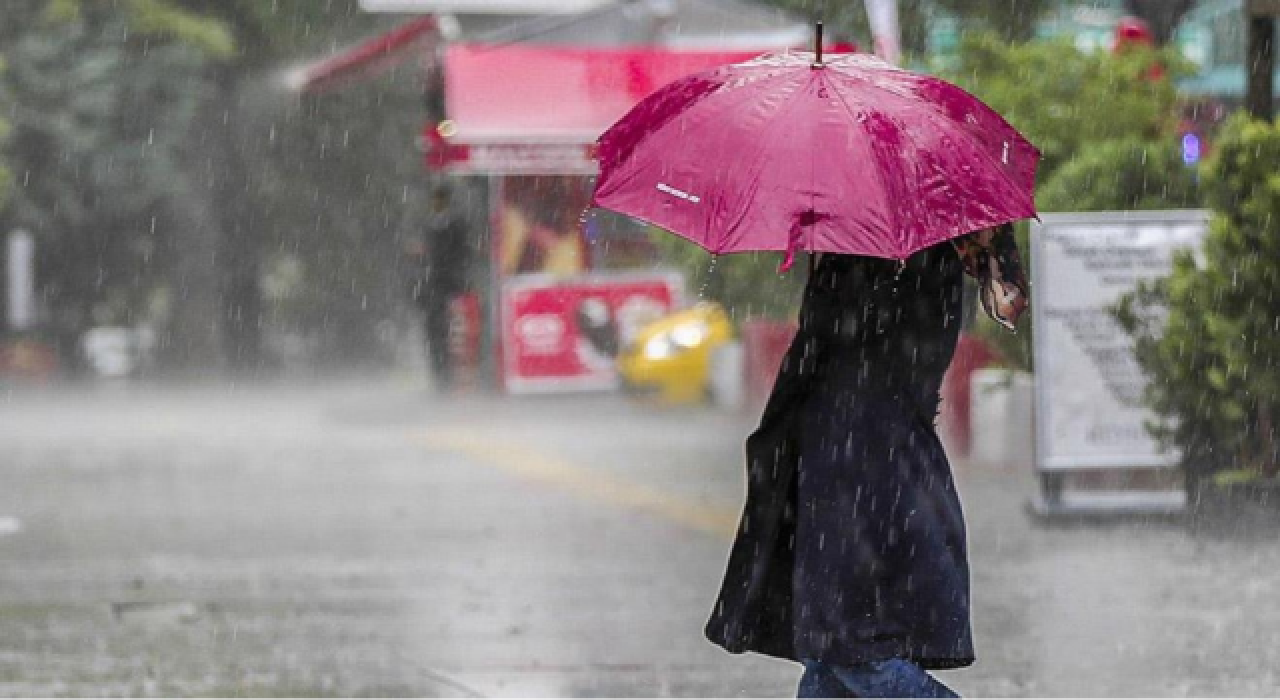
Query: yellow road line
x=584, y=483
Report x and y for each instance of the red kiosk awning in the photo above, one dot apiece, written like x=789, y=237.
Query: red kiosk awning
x=369, y=58
x=517, y=108
x=532, y=110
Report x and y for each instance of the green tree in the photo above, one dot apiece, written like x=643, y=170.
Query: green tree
x=153, y=19
x=1206, y=335
x=228, y=211
x=171, y=173
x=244, y=180
x=1122, y=174
x=306, y=197
x=347, y=192
x=98, y=96
x=1065, y=100
x=6, y=175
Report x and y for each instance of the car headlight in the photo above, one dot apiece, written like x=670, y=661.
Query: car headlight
x=689, y=335
x=658, y=347
x=686, y=336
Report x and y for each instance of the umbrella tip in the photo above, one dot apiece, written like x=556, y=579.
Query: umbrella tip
x=817, y=44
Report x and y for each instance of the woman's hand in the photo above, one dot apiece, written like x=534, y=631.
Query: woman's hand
x=991, y=257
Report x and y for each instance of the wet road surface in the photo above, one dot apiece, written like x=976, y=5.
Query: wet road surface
x=369, y=539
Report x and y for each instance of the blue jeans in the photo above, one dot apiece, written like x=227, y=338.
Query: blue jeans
x=895, y=678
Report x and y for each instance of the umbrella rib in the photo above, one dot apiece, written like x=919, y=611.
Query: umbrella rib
x=756, y=159
x=932, y=115
x=897, y=217
x=735, y=151
x=711, y=99
x=990, y=159
x=712, y=96
x=764, y=149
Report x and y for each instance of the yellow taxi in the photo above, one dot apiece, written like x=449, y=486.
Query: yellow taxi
x=672, y=356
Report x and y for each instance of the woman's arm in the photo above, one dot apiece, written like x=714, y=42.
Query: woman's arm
x=991, y=257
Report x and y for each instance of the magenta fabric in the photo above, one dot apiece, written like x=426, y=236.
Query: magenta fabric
x=855, y=156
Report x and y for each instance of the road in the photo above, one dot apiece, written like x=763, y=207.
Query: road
x=366, y=538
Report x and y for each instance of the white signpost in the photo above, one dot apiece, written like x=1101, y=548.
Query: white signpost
x=1089, y=410
x=21, y=308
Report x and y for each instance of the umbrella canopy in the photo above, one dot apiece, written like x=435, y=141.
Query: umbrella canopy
x=788, y=152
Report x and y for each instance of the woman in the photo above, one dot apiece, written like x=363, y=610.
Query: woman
x=850, y=557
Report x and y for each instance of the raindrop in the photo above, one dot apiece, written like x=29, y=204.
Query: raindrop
x=711, y=269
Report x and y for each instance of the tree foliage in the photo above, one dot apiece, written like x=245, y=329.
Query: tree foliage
x=265, y=31
x=1066, y=100
x=1207, y=334
x=1123, y=175
x=243, y=152
x=343, y=191
x=98, y=100
x=28, y=22
x=171, y=178
x=6, y=175
x=155, y=19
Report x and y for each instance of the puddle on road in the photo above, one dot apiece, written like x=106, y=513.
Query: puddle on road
x=9, y=525
x=155, y=613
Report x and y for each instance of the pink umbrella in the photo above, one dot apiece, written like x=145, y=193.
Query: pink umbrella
x=791, y=152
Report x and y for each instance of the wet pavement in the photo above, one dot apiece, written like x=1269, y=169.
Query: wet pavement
x=370, y=539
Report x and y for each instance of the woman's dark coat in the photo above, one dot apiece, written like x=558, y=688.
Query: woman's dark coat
x=852, y=542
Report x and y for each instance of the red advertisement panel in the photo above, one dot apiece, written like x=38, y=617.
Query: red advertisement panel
x=562, y=336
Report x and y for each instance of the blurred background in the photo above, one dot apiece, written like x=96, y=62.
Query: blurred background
x=319, y=377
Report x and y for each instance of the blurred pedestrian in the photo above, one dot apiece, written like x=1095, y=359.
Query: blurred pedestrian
x=445, y=257
x=851, y=554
